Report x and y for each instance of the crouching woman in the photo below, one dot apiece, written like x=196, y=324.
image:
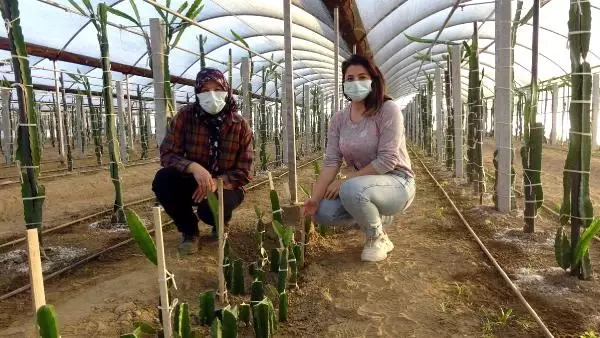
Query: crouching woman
x=369, y=136
x=207, y=140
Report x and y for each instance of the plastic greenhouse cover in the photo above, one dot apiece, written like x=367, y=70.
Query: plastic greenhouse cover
x=57, y=24
x=386, y=24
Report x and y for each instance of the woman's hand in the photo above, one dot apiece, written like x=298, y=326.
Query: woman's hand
x=333, y=189
x=205, y=183
x=310, y=207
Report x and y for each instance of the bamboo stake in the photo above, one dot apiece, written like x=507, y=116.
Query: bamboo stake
x=220, y=228
x=162, y=273
x=35, y=269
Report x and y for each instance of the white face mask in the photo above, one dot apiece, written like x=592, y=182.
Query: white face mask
x=357, y=90
x=212, y=102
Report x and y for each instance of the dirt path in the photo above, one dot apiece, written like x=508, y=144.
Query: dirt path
x=436, y=280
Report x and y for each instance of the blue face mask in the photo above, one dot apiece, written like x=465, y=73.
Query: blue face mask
x=357, y=90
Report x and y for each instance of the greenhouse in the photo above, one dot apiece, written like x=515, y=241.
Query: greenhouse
x=121, y=119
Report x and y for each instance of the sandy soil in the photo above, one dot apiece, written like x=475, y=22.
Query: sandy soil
x=436, y=280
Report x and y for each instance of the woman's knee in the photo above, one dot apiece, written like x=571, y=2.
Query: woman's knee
x=330, y=212
x=165, y=179
x=351, y=191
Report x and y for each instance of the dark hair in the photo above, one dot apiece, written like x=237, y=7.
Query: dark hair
x=378, y=94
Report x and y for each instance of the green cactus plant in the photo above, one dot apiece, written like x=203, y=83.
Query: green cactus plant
x=47, y=322
x=216, y=329
x=264, y=319
x=181, y=321
x=230, y=322
x=237, y=287
x=207, y=307
x=244, y=313
x=576, y=206
x=283, y=307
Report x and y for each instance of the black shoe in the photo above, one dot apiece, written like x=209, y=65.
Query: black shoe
x=189, y=244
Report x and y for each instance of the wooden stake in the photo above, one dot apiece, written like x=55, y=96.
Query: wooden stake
x=271, y=185
x=221, y=227
x=35, y=269
x=162, y=273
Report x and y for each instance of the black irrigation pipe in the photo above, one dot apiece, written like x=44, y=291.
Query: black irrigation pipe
x=507, y=279
x=125, y=242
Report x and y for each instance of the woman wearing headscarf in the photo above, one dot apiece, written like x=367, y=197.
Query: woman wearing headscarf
x=206, y=140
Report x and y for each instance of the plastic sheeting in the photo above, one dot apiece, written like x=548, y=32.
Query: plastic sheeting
x=57, y=24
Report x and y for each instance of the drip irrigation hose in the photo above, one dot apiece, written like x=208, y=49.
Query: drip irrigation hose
x=122, y=243
x=512, y=286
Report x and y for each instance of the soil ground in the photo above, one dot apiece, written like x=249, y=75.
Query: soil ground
x=435, y=281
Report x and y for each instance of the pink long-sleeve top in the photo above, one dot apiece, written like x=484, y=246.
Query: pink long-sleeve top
x=378, y=140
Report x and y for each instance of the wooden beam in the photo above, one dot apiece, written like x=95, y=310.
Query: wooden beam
x=352, y=29
x=56, y=55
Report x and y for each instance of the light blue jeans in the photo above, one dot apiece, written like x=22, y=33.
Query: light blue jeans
x=364, y=199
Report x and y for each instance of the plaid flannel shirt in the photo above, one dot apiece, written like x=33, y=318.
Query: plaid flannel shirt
x=186, y=141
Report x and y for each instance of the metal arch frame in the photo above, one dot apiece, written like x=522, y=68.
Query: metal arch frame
x=424, y=15
x=435, y=28
x=408, y=70
x=401, y=90
x=397, y=73
x=463, y=37
x=126, y=29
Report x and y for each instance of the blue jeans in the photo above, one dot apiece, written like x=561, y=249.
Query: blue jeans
x=364, y=199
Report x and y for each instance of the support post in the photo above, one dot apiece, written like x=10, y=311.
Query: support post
x=458, y=108
x=284, y=118
x=336, y=59
x=245, y=68
x=323, y=126
x=289, y=109
x=35, y=269
x=162, y=273
x=157, y=42
x=439, y=118
x=553, y=131
x=129, y=116
x=121, y=119
x=503, y=88
x=60, y=132
x=221, y=235
x=79, y=123
x=7, y=132
x=306, y=118
x=595, y=109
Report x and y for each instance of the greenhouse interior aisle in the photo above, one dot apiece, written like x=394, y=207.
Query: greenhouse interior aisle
x=436, y=280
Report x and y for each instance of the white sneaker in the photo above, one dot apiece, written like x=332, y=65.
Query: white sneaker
x=377, y=248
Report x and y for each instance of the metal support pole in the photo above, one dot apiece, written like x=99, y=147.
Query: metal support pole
x=595, y=109
x=290, y=106
x=60, y=132
x=553, y=131
x=439, y=138
x=157, y=42
x=336, y=59
x=457, y=98
x=121, y=120
x=503, y=88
